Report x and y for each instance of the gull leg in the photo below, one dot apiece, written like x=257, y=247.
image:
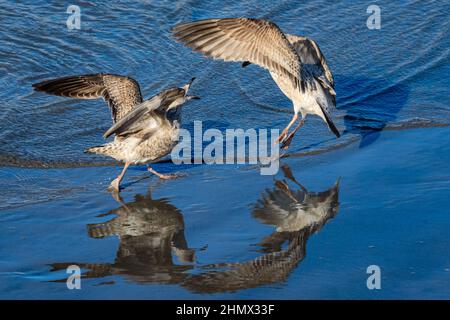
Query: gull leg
x=288, y=140
x=115, y=184
x=160, y=175
x=288, y=174
x=285, y=131
x=116, y=196
x=284, y=187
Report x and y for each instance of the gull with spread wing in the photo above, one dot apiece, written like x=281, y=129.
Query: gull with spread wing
x=145, y=131
x=295, y=63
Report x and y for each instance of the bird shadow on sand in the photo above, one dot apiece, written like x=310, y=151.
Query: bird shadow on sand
x=153, y=248
x=366, y=106
x=369, y=104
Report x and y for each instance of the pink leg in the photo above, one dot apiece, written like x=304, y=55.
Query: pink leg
x=285, y=131
x=160, y=175
x=288, y=140
x=115, y=184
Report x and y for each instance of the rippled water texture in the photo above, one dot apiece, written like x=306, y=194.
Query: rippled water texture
x=378, y=195
x=384, y=78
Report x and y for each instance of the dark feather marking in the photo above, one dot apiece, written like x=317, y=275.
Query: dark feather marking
x=329, y=121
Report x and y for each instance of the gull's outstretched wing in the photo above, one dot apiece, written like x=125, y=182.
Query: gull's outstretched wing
x=122, y=93
x=242, y=39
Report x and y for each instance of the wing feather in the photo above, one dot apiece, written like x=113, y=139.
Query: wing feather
x=242, y=39
x=310, y=54
x=149, y=110
x=130, y=122
x=120, y=92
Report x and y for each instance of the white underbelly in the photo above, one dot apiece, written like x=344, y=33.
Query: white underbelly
x=138, y=151
x=304, y=103
x=157, y=146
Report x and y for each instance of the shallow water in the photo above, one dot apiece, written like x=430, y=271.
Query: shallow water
x=378, y=195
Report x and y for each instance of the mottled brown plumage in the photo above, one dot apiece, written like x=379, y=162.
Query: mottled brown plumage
x=233, y=39
x=297, y=214
x=145, y=131
x=295, y=63
x=120, y=92
x=152, y=244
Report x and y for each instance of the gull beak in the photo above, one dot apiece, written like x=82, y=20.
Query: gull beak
x=193, y=97
x=188, y=85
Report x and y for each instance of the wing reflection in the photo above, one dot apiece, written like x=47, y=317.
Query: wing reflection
x=151, y=234
x=296, y=215
x=149, y=231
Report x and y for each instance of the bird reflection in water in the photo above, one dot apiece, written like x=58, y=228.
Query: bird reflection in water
x=149, y=232
x=296, y=215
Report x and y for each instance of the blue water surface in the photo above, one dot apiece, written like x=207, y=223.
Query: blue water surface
x=379, y=195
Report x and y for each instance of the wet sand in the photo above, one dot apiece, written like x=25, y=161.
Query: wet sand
x=206, y=229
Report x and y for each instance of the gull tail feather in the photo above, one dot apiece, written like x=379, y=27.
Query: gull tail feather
x=328, y=119
x=101, y=230
x=106, y=149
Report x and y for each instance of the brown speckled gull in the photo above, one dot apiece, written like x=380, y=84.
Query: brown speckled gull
x=145, y=131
